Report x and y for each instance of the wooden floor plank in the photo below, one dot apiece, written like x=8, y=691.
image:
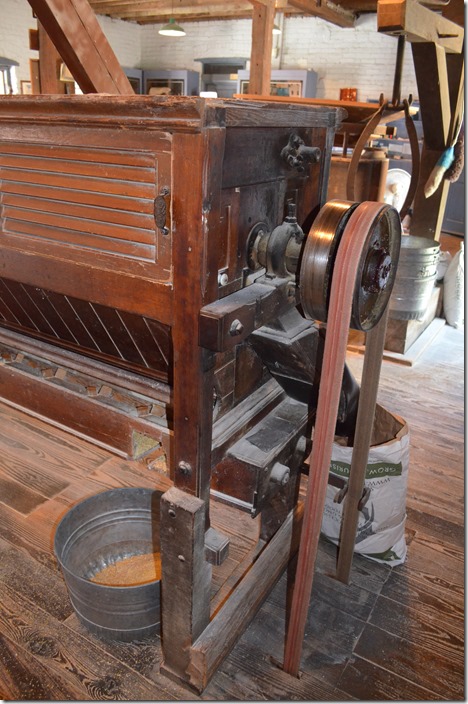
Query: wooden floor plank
x=368, y=682
x=435, y=596
x=55, y=446
x=436, y=559
x=142, y=656
x=41, y=584
x=23, y=677
x=365, y=574
x=421, y=625
x=331, y=634
x=87, y=671
x=423, y=666
x=19, y=497
x=29, y=474
x=267, y=681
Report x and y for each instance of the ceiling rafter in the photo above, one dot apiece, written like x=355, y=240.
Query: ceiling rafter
x=340, y=12
x=326, y=10
x=156, y=11
x=148, y=5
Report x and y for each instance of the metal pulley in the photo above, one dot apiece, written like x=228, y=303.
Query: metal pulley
x=376, y=270
x=284, y=254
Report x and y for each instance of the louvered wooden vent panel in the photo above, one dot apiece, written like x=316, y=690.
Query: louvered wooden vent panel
x=83, y=197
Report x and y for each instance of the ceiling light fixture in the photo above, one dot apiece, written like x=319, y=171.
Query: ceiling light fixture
x=171, y=29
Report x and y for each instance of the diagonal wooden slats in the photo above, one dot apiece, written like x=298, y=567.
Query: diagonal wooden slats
x=129, y=338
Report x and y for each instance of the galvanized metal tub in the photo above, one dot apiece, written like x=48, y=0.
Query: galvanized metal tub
x=415, y=278
x=98, y=532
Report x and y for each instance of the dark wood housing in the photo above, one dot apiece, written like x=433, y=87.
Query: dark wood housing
x=127, y=294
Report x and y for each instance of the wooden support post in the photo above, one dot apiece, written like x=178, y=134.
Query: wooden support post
x=428, y=213
x=217, y=640
x=186, y=579
x=277, y=509
x=375, y=340
x=275, y=512
x=456, y=83
x=73, y=28
x=440, y=86
x=262, y=43
x=49, y=62
x=195, y=222
x=430, y=66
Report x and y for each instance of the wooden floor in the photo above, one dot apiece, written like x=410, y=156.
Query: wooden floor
x=395, y=635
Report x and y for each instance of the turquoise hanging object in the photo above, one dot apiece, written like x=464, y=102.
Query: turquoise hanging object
x=444, y=162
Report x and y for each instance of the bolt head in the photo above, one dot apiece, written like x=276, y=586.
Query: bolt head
x=236, y=328
x=185, y=468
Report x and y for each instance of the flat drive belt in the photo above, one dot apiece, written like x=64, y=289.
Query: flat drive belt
x=346, y=268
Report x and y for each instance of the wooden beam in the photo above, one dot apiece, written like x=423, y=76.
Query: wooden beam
x=428, y=213
x=326, y=11
x=433, y=90
x=186, y=581
x=34, y=39
x=145, y=13
x=419, y=24
x=217, y=640
x=49, y=62
x=263, y=19
x=134, y=8
x=80, y=41
x=175, y=8
x=456, y=84
x=440, y=79
x=357, y=6
x=375, y=341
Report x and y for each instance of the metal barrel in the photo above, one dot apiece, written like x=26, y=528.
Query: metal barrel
x=415, y=278
x=98, y=532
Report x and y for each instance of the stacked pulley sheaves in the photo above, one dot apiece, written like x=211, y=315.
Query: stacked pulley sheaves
x=377, y=266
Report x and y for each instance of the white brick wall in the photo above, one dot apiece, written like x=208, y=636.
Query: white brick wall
x=359, y=57
x=124, y=38
x=203, y=39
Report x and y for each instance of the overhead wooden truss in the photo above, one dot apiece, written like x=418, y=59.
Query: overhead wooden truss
x=160, y=11
x=339, y=12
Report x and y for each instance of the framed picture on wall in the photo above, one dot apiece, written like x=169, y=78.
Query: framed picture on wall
x=26, y=87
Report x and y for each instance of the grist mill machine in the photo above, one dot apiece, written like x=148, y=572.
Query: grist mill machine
x=163, y=263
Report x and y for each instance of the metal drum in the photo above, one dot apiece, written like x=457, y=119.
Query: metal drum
x=99, y=532
x=415, y=278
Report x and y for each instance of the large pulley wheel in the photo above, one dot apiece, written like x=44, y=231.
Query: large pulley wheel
x=377, y=265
